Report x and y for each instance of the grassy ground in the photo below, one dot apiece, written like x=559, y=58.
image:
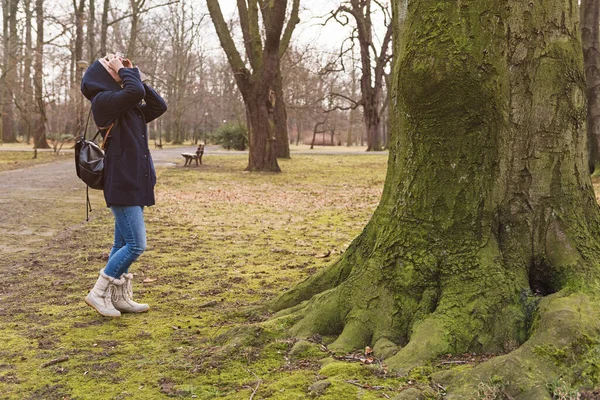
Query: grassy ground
x=221, y=243
x=11, y=160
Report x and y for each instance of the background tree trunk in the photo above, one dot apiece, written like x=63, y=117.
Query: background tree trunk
x=104, y=27
x=590, y=38
x=136, y=5
x=91, y=33
x=78, y=55
x=27, y=95
x=9, y=72
x=40, y=124
x=486, y=236
x=282, y=143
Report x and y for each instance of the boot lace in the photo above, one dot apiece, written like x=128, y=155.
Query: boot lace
x=128, y=290
x=112, y=294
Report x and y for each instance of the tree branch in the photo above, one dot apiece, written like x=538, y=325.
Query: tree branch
x=289, y=29
x=243, y=12
x=356, y=103
x=145, y=10
x=273, y=18
x=253, y=35
x=383, y=58
x=233, y=56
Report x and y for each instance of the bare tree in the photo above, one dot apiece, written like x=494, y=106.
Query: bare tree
x=77, y=56
x=590, y=38
x=40, y=125
x=91, y=31
x=182, y=31
x=27, y=93
x=9, y=67
x=261, y=87
x=104, y=27
x=136, y=6
x=373, y=61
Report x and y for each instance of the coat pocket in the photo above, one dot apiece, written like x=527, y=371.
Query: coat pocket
x=126, y=172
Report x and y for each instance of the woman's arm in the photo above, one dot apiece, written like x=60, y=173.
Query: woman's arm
x=108, y=105
x=155, y=105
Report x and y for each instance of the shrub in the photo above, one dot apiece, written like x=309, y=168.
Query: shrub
x=232, y=135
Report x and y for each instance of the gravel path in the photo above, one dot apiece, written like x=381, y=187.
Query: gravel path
x=35, y=200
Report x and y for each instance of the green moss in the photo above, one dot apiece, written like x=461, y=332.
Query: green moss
x=345, y=370
x=420, y=374
x=581, y=359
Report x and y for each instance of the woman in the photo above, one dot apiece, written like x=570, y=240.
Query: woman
x=116, y=91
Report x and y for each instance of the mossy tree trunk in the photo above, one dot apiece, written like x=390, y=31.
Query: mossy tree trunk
x=486, y=238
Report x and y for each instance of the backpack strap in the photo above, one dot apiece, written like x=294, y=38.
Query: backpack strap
x=107, y=135
x=100, y=129
x=87, y=123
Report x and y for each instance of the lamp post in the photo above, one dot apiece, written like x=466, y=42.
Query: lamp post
x=205, y=126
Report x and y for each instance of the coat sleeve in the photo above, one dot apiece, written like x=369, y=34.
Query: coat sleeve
x=155, y=105
x=108, y=105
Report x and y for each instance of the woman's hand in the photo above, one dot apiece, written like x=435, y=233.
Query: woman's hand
x=127, y=63
x=115, y=62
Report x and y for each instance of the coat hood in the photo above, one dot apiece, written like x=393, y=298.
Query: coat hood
x=96, y=79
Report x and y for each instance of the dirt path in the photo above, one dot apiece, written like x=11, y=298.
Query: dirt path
x=33, y=200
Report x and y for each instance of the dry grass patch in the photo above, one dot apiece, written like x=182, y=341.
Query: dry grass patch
x=11, y=160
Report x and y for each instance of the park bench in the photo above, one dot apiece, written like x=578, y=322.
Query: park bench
x=189, y=157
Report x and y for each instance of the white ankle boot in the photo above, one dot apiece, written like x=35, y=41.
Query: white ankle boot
x=123, y=299
x=100, y=297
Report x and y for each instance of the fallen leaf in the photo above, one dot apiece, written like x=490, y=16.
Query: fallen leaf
x=148, y=280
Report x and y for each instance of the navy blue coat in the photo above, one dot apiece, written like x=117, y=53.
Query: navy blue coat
x=129, y=175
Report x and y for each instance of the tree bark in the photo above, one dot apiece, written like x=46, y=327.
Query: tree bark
x=9, y=72
x=40, y=141
x=27, y=96
x=282, y=143
x=104, y=27
x=78, y=55
x=136, y=5
x=590, y=38
x=486, y=236
x=350, y=138
x=91, y=32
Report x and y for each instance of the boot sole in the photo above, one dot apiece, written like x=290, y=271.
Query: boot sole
x=134, y=312
x=98, y=311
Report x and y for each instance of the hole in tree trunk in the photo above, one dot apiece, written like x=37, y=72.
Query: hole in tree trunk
x=540, y=278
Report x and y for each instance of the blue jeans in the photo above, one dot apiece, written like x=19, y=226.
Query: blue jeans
x=130, y=239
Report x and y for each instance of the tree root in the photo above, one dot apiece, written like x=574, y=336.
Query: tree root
x=564, y=345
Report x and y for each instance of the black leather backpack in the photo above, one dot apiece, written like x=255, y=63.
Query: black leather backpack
x=89, y=160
